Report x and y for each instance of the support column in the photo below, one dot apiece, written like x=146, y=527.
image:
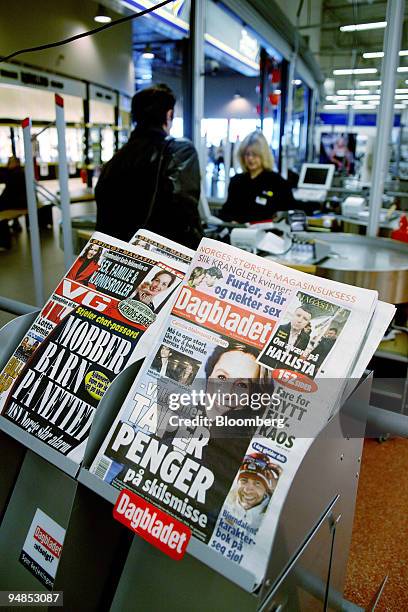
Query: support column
x=288, y=119
x=262, y=88
x=33, y=214
x=392, y=45
x=63, y=183
x=197, y=32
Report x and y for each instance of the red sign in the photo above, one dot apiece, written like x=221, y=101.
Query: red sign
x=157, y=527
x=295, y=380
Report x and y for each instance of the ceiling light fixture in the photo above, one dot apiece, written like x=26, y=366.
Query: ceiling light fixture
x=375, y=54
x=356, y=71
x=364, y=107
x=400, y=106
x=296, y=82
x=369, y=97
x=401, y=91
x=356, y=27
x=402, y=69
x=334, y=107
x=369, y=83
x=148, y=53
x=352, y=92
x=101, y=15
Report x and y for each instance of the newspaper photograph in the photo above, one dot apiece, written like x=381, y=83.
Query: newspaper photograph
x=145, y=239
x=229, y=399
x=90, y=329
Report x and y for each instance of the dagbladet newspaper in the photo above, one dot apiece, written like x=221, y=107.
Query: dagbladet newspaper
x=247, y=348
x=89, y=330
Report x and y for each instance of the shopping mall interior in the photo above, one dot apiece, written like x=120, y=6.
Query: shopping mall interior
x=326, y=84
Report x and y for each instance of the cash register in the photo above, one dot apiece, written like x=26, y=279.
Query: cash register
x=314, y=182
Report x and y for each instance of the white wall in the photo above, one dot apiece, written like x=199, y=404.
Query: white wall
x=104, y=58
x=219, y=97
x=311, y=13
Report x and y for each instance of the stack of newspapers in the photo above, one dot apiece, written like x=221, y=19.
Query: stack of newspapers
x=243, y=362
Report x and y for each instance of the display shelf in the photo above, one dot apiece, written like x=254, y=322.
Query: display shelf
x=12, y=333
x=196, y=549
x=40, y=448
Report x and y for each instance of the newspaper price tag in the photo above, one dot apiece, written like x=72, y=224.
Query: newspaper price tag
x=157, y=527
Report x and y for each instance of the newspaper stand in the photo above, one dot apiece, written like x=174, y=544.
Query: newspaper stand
x=11, y=451
x=102, y=565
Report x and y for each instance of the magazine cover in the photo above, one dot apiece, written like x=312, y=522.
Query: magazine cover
x=212, y=431
x=150, y=241
x=308, y=332
x=89, y=330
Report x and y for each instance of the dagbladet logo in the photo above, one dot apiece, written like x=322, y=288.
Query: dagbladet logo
x=157, y=527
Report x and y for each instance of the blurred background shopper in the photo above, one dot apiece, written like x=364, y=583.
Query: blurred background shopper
x=154, y=180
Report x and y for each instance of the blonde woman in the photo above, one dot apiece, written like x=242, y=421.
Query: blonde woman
x=258, y=193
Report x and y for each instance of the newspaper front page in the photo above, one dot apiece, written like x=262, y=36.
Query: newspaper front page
x=89, y=330
x=233, y=394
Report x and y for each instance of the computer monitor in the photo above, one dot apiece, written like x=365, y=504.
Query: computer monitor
x=316, y=176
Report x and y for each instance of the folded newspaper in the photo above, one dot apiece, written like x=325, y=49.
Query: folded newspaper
x=101, y=317
x=250, y=364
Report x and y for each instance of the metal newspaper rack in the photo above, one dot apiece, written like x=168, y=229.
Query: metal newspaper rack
x=307, y=558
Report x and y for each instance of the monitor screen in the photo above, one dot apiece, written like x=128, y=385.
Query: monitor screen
x=315, y=176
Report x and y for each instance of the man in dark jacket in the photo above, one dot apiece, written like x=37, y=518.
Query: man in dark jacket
x=154, y=180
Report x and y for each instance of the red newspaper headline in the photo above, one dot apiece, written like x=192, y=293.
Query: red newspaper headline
x=99, y=302
x=155, y=526
x=222, y=317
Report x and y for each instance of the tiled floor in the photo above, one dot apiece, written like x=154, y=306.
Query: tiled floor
x=16, y=278
x=380, y=537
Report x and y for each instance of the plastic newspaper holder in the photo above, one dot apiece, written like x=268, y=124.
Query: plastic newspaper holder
x=10, y=336
x=306, y=561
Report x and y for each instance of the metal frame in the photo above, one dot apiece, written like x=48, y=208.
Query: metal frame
x=392, y=44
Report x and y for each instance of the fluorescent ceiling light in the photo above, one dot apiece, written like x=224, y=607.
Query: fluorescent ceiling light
x=356, y=71
x=402, y=69
x=356, y=27
x=296, y=82
x=400, y=106
x=364, y=107
x=334, y=106
x=398, y=91
x=352, y=92
x=368, y=97
x=335, y=98
x=401, y=97
x=369, y=83
x=374, y=54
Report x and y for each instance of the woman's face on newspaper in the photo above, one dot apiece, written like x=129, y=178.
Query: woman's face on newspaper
x=233, y=372
x=160, y=283
x=92, y=251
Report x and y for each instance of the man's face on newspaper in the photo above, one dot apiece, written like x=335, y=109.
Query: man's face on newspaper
x=300, y=319
x=251, y=491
